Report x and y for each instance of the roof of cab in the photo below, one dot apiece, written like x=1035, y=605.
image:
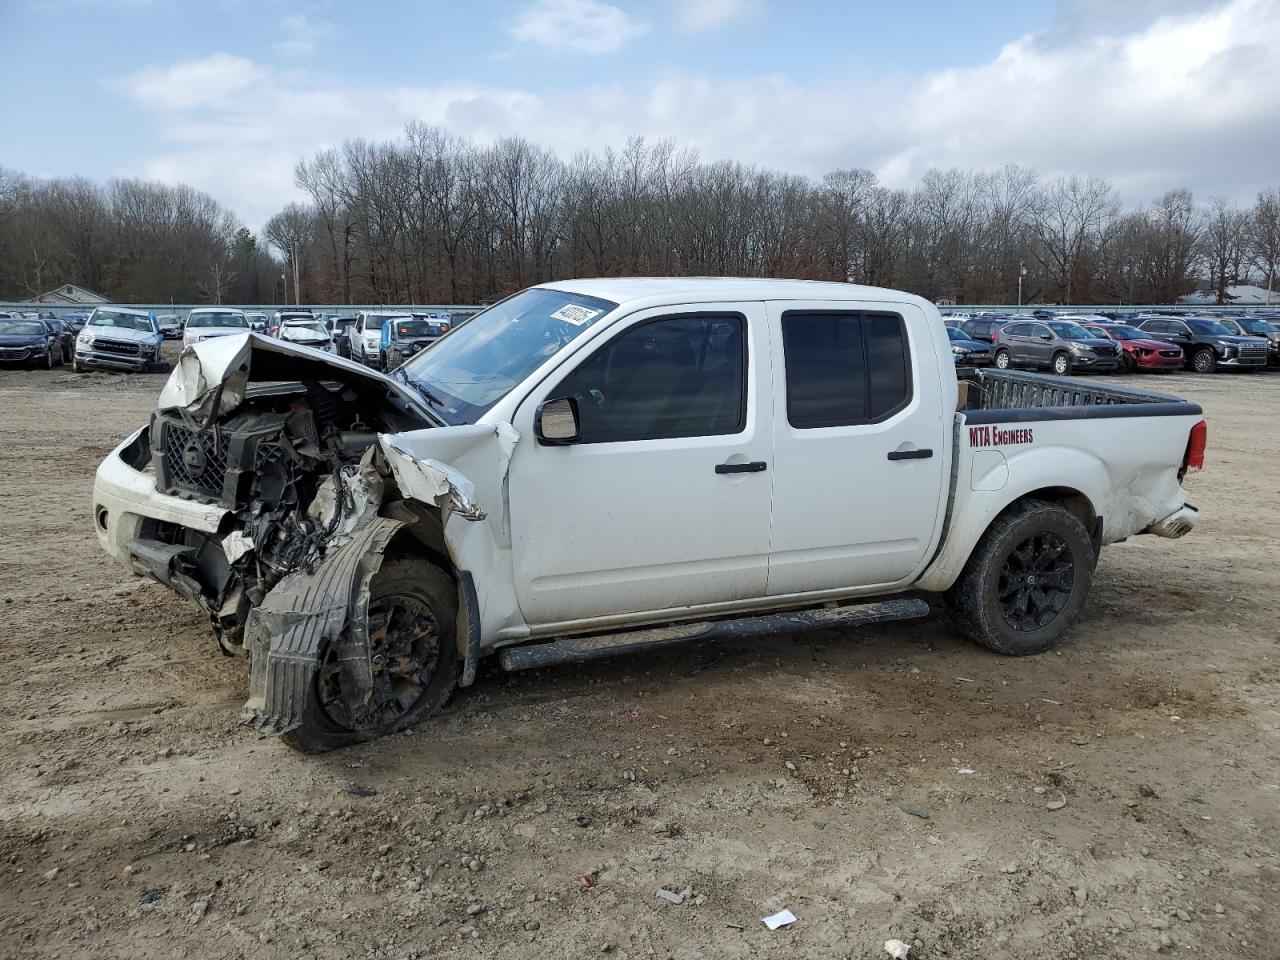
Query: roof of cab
x=655, y=291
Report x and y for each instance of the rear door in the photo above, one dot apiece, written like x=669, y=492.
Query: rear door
x=1040, y=344
x=663, y=503
x=860, y=445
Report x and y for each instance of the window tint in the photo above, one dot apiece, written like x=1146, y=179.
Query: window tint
x=844, y=368
x=681, y=377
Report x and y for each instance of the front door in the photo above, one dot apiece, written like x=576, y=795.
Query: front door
x=861, y=451
x=663, y=504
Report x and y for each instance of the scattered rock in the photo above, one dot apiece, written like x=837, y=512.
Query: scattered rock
x=414, y=885
x=531, y=925
x=377, y=875
x=1219, y=908
x=198, y=910
x=51, y=874
x=1057, y=803
x=914, y=812
x=475, y=909
x=667, y=895
x=1081, y=895
x=897, y=949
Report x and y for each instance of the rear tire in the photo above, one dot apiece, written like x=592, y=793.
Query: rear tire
x=1061, y=364
x=1204, y=360
x=1002, y=359
x=1026, y=580
x=408, y=582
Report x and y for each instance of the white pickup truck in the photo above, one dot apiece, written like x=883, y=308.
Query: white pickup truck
x=603, y=466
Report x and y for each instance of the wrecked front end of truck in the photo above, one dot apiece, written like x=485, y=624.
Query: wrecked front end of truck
x=294, y=497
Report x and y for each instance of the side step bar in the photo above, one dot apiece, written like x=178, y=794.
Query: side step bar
x=581, y=649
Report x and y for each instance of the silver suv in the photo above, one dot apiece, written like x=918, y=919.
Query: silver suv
x=1057, y=345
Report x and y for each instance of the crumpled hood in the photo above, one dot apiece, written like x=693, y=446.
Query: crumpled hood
x=236, y=361
x=120, y=333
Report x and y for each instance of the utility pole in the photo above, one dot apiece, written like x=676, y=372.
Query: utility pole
x=1022, y=272
x=293, y=255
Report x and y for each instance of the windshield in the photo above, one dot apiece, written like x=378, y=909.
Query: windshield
x=123, y=321
x=956, y=334
x=1209, y=328
x=1071, y=331
x=306, y=331
x=1128, y=333
x=1259, y=327
x=475, y=366
x=22, y=328
x=217, y=319
x=417, y=328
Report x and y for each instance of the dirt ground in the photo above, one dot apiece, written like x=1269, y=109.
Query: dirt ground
x=888, y=782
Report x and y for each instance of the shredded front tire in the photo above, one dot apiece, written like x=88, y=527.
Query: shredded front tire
x=412, y=619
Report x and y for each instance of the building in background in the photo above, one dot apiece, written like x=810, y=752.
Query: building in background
x=69, y=294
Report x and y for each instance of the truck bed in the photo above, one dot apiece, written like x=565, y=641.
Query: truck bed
x=1004, y=396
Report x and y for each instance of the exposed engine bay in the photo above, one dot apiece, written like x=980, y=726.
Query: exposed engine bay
x=290, y=463
x=325, y=519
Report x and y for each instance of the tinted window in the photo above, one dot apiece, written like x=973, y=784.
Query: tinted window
x=844, y=368
x=681, y=377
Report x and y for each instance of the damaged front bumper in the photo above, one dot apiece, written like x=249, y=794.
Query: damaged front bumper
x=127, y=506
x=266, y=505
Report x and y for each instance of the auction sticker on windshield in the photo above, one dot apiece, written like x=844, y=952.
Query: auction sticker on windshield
x=575, y=314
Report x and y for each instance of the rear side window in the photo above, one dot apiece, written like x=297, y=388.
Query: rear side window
x=844, y=369
x=676, y=377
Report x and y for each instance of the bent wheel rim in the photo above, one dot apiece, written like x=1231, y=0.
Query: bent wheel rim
x=1036, y=582
x=404, y=650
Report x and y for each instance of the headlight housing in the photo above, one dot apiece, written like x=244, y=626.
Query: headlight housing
x=958, y=351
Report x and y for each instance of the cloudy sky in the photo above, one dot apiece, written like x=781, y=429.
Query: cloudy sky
x=228, y=94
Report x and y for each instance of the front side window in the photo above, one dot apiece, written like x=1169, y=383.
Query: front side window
x=676, y=377
x=844, y=369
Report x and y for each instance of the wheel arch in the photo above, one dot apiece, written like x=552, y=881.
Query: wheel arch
x=961, y=543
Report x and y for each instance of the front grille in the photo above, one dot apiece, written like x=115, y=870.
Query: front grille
x=1253, y=349
x=125, y=347
x=14, y=353
x=1170, y=353
x=195, y=461
x=223, y=464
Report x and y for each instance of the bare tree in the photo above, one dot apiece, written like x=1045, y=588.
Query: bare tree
x=1264, y=237
x=1222, y=239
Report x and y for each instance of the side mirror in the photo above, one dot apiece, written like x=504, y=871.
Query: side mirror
x=557, y=422
x=1046, y=336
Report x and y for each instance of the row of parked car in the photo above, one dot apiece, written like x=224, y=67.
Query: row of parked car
x=130, y=339
x=1067, y=343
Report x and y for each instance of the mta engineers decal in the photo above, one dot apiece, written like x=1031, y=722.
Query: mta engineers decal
x=992, y=436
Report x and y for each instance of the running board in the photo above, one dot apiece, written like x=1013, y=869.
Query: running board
x=530, y=656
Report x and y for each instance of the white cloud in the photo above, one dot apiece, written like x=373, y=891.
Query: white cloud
x=213, y=82
x=1190, y=100
x=300, y=37
x=581, y=26
x=698, y=15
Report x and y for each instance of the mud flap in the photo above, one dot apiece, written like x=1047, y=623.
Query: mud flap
x=304, y=613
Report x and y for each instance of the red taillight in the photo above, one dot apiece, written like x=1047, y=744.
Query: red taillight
x=1194, y=460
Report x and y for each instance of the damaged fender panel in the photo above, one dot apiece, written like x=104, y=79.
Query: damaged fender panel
x=288, y=633
x=463, y=470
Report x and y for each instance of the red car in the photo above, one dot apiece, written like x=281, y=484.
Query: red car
x=1140, y=352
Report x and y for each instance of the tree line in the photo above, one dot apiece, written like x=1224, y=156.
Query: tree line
x=435, y=218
